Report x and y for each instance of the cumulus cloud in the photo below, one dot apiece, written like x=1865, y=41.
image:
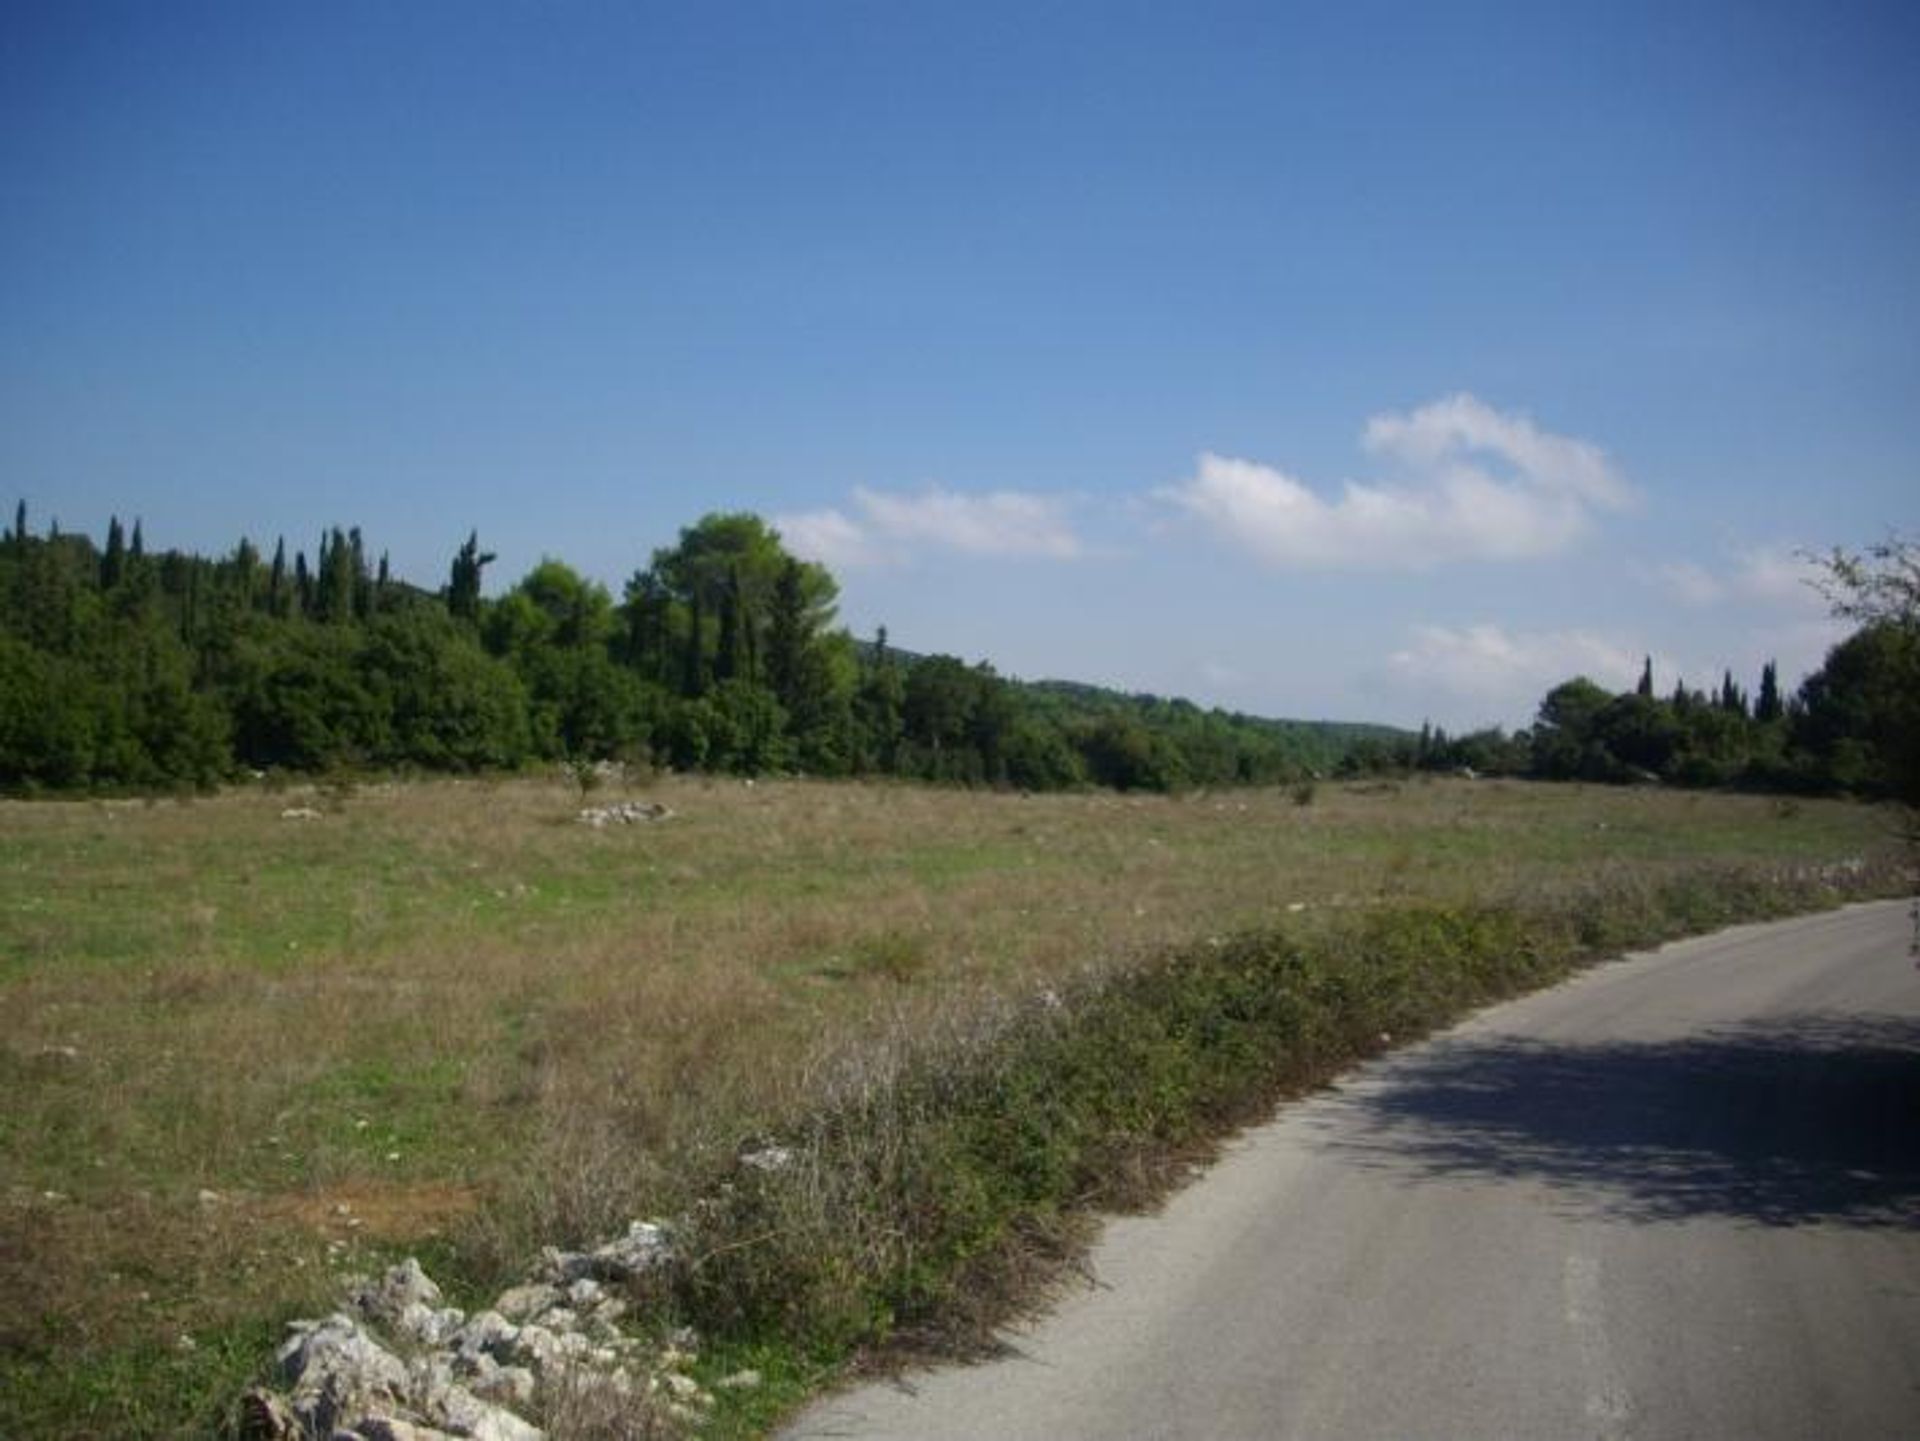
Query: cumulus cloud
x=1784, y=577
x=1475, y=484
x=1501, y=674
x=889, y=527
x=1693, y=584
x=1774, y=576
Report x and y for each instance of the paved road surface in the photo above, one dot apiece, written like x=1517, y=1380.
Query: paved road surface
x=1678, y=1196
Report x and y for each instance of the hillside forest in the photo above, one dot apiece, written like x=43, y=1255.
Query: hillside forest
x=125, y=669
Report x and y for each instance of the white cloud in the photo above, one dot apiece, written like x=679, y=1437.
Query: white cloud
x=1784, y=577
x=1449, y=507
x=1498, y=674
x=1460, y=425
x=827, y=536
x=890, y=527
x=1774, y=576
x=1693, y=584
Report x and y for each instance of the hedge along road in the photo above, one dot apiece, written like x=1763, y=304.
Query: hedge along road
x=1677, y=1196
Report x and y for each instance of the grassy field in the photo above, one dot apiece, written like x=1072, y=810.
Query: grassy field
x=246, y=1053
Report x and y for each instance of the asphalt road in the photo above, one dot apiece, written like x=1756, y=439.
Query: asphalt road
x=1678, y=1196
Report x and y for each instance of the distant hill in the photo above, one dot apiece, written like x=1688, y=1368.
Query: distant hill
x=1318, y=745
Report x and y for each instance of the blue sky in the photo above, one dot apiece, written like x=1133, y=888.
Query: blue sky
x=1373, y=361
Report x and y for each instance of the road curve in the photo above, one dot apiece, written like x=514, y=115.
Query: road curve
x=1678, y=1196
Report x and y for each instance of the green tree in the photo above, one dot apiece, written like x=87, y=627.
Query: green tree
x=878, y=709
x=1767, y=708
x=449, y=704
x=463, y=581
x=279, y=600
x=1565, y=732
x=1861, y=712
x=1862, y=708
x=113, y=561
x=936, y=711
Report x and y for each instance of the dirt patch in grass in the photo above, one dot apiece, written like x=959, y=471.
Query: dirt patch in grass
x=397, y=1212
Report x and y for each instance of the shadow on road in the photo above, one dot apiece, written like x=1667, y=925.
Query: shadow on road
x=1806, y=1119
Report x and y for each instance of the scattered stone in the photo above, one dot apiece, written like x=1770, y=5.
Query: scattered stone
x=337, y=1373
x=684, y=1388
x=524, y=1303
x=627, y=813
x=644, y=1248
x=299, y=813
x=739, y=1381
x=509, y=1385
x=560, y=1319
x=266, y=1415
x=386, y=1428
x=466, y=1375
x=768, y=1158
x=404, y=1285
x=421, y=1323
x=488, y=1333
x=465, y=1414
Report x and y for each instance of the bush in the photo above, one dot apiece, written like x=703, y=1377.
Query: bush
x=932, y=1180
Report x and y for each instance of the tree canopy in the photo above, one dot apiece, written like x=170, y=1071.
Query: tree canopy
x=124, y=668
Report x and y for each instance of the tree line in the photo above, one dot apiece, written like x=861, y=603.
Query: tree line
x=120, y=668
x=1851, y=727
x=123, y=669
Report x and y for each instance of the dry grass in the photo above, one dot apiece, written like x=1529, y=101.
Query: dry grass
x=449, y=1009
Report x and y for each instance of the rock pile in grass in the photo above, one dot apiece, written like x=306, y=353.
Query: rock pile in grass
x=627, y=813
x=395, y=1364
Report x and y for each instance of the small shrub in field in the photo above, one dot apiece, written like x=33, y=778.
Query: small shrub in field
x=1302, y=793
x=895, y=955
x=585, y=775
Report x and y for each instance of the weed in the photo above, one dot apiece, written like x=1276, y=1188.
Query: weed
x=894, y=955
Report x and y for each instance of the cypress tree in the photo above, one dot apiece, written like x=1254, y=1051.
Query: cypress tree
x=277, y=580
x=1731, y=701
x=1645, y=688
x=190, y=606
x=362, y=580
x=246, y=572
x=694, y=680
x=302, y=584
x=463, y=584
x=787, y=637
x=136, y=548
x=20, y=520
x=1768, y=707
x=727, y=663
x=749, y=630
x=335, y=583
x=113, y=561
